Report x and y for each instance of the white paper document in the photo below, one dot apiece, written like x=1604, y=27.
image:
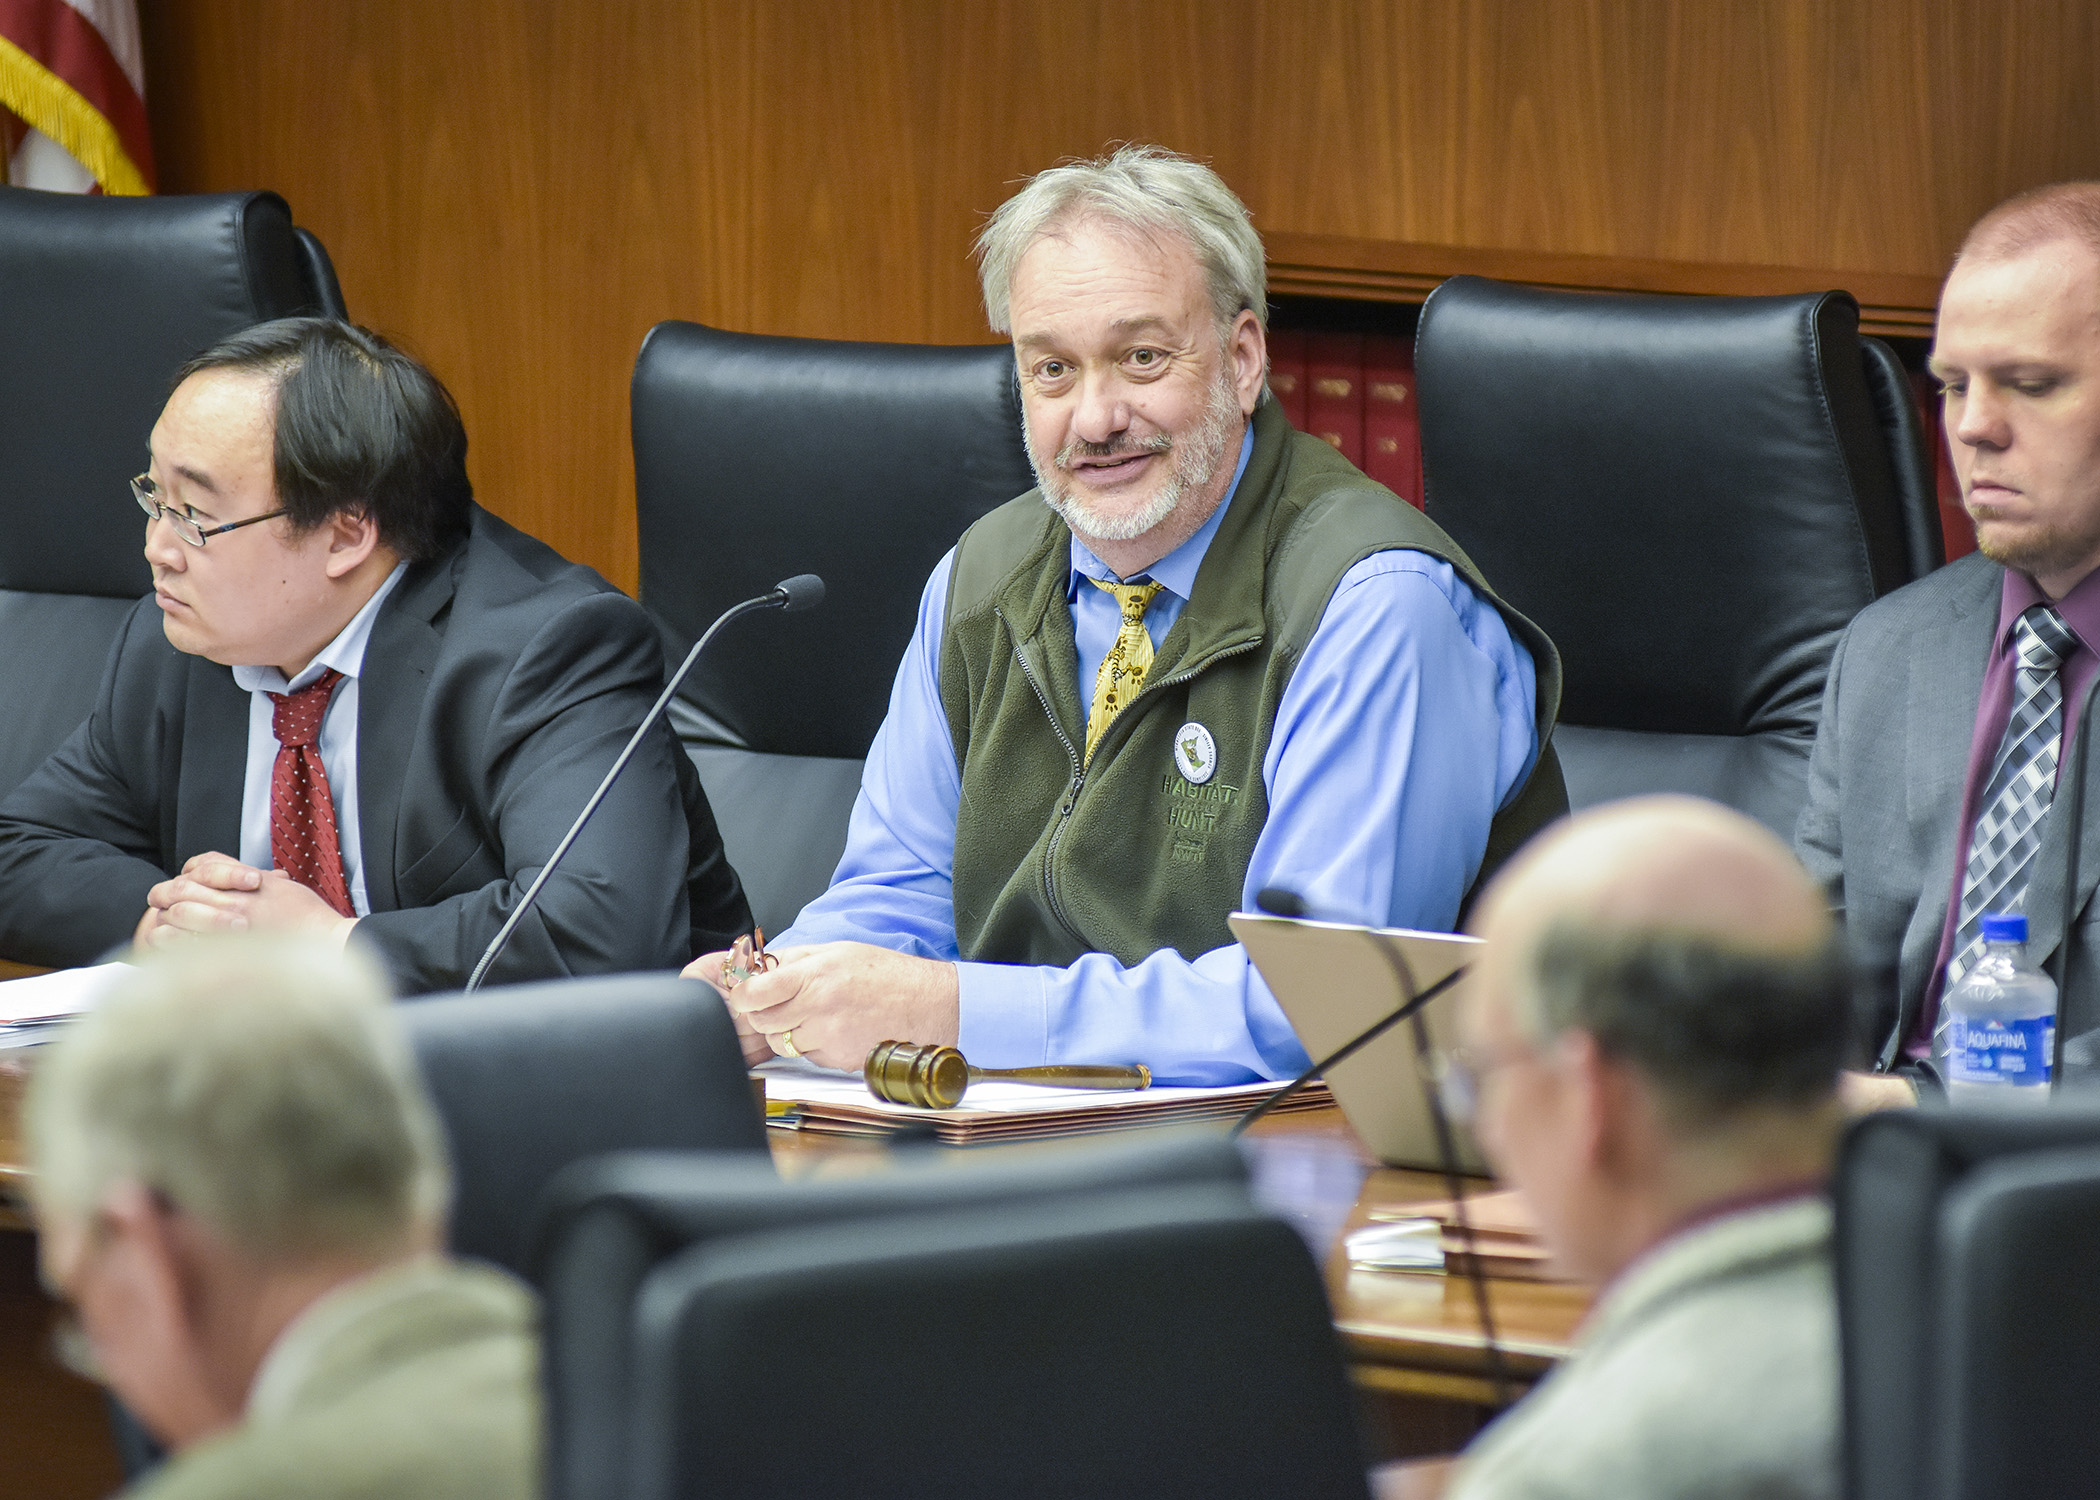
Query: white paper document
x=817, y=1100
x=1401, y=1245
x=57, y=996
x=812, y=1085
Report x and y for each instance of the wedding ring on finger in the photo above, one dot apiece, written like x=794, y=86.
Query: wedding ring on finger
x=784, y=1043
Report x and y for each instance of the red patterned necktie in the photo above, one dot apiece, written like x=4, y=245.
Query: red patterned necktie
x=302, y=815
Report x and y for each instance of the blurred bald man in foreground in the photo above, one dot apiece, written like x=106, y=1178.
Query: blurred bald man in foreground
x=240, y=1188
x=1654, y=1035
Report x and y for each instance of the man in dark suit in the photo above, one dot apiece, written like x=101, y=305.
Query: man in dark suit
x=1944, y=719
x=357, y=705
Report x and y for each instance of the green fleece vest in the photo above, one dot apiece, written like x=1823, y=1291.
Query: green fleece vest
x=1147, y=847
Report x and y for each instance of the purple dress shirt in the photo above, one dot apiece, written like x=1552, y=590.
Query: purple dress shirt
x=2081, y=611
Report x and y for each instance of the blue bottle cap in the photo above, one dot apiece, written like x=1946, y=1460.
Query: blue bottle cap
x=2005, y=927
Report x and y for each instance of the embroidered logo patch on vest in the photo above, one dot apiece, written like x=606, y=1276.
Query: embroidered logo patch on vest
x=1195, y=753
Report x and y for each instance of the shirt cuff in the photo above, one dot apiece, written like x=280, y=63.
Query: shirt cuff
x=1003, y=1014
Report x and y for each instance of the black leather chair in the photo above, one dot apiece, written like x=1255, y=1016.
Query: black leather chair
x=1968, y=1311
x=1124, y=1344
x=2021, y=1316
x=756, y=458
x=531, y=1078
x=1692, y=496
x=610, y=1226
x=101, y=301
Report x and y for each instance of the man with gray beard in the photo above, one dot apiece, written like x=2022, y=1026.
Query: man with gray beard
x=1204, y=656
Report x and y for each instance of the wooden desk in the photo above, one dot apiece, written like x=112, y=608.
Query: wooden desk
x=13, y=1076
x=54, y=1427
x=1413, y=1341
x=1415, y=1335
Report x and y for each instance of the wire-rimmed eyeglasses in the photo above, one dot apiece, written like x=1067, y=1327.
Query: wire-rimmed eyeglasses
x=1458, y=1072
x=147, y=493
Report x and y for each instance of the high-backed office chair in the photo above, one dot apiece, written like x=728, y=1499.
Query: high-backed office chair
x=756, y=458
x=1965, y=1241
x=609, y=1225
x=101, y=300
x=531, y=1078
x=1692, y=496
x=2020, y=1313
x=1122, y=1344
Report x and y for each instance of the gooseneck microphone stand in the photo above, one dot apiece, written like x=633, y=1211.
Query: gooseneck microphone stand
x=1410, y=1006
x=1278, y=902
x=803, y=591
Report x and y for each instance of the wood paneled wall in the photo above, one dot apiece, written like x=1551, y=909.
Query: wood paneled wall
x=520, y=188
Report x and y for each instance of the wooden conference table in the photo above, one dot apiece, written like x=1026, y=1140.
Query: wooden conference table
x=1413, y=1341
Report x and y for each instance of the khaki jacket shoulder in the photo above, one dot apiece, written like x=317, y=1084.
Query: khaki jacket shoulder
x=422, y=1382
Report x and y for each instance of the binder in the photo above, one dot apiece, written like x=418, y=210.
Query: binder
x=821, y=1102
x=1392, y=432
x=1334, y=402
x=1287, y=374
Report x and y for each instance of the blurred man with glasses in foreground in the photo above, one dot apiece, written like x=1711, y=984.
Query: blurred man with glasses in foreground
x=240, y=1189
x=1653, y=1036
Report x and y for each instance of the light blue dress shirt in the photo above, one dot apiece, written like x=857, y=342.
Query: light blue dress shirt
x=1408, y=723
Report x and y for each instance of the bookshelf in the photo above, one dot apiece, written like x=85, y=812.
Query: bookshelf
x=1330, y=268
x=1343, y=313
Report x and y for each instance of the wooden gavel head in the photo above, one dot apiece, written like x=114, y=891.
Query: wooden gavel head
x=930, y=1076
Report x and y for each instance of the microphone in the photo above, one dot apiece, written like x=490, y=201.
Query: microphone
x=1279, y=902
x=791, y=595
x=803, y=591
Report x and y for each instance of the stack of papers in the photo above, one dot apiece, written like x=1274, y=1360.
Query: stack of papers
x=1426, y=1237
x=828, y=1103
x=30, y=1008
x=1397, y=1245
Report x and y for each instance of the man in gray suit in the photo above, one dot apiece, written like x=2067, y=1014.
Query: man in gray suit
x=1945, y=713
x=358, y=705
x=240, y=1187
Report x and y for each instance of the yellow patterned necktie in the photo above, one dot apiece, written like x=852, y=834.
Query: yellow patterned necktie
x=1129, y=659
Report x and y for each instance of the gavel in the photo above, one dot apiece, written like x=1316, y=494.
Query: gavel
x=935, y=1077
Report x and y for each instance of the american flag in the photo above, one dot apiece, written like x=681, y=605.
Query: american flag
x=73, y=97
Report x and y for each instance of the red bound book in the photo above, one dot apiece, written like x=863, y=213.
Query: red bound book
x=1334, y=399
x=1392, y=433
x=1287, y=374
x=1955, y=524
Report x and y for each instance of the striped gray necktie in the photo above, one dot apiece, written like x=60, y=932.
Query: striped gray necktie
x=2022, y=784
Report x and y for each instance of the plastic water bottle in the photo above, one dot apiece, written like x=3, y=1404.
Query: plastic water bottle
x=1996, y=1035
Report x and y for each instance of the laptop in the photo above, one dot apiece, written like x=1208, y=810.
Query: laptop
x=1335, y=981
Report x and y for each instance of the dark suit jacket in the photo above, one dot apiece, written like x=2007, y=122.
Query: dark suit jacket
x=1884, y=799
x=498, y=685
